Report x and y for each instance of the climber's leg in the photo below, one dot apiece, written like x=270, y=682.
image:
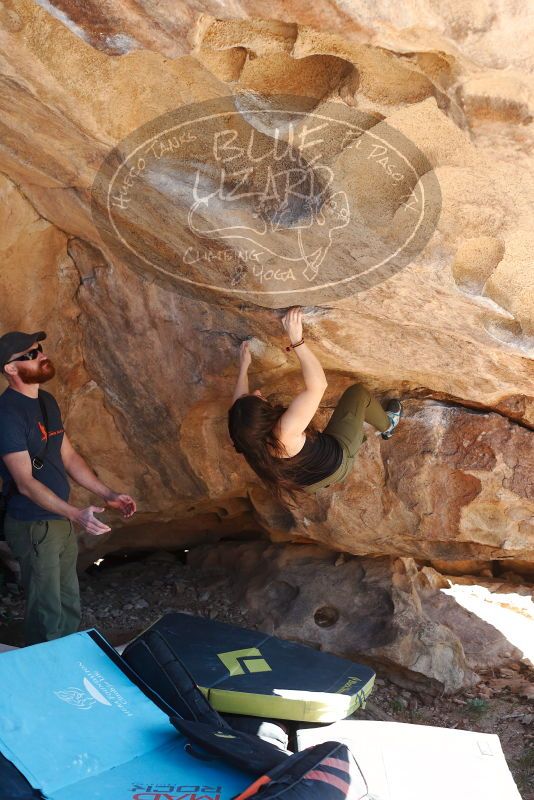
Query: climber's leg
x=355, y=406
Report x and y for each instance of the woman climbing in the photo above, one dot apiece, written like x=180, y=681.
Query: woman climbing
x=279, y=442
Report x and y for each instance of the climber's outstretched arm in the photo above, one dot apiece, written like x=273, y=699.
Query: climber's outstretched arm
x=245, y=358
x=302, y=409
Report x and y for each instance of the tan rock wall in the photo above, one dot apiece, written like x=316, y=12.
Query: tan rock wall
x=144, y=375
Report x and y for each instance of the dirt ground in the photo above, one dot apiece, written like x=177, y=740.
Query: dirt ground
x=122, y=597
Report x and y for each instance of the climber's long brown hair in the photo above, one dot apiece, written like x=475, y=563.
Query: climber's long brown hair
x=250, y=423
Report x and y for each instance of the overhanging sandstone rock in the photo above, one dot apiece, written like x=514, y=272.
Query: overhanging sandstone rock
x=145, y=375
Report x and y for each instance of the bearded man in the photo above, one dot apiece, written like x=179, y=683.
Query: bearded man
x=36, y=457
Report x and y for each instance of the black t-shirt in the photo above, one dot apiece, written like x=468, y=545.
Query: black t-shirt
x=22, y=427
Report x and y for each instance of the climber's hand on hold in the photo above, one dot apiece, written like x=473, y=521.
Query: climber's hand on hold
x=245, y=357
x=292, y=322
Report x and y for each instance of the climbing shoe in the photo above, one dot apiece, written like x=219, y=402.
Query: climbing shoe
x=394, y=412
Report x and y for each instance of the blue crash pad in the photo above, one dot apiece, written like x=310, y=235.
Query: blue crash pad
x=75, y=725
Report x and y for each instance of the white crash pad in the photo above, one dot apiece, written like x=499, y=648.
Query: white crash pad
x=417, y=762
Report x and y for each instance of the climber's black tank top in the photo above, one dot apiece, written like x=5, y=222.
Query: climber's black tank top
x=321, y=456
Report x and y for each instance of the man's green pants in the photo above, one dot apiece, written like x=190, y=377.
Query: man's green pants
x=47, y=551
x=355, y=406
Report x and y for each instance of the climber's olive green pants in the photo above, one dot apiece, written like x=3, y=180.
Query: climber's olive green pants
x=47, y=551
x=356, y=406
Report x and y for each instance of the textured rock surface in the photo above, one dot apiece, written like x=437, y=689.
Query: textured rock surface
x=383, y=611
x=451, y=484
x=144, y=374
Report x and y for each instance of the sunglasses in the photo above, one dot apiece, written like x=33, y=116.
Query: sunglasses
x=31, y=355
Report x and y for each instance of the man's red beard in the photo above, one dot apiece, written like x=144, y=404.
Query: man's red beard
x=43, y=373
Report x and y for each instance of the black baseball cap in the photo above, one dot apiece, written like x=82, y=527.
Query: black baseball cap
x=17, y=342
